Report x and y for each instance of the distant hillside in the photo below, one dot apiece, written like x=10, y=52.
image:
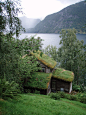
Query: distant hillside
x=29, y=22
x=73, y=16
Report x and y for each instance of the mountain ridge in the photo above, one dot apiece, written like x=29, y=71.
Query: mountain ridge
x=73, y=16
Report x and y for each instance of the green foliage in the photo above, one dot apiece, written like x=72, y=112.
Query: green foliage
x=82, y=97
x=31, y=44
x=8, y=90
x=39, y=80
x=8, y=58
x=79, y=88
x=78, y=97
x=35, y=104
x=83, y=100
x=28, y=66
x=55, y=96
x=9, y=20
x=51, y=51
x=67, y=96
x=62, y=94
x=71, y=54
x=73, y=97
x=63, y=74
x=37, y=92
x=12, y=64
x=76, y=87
x=44, y=59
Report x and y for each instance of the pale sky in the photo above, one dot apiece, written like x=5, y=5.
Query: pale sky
x=42, y=8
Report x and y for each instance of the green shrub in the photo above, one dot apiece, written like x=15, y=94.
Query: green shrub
x=79, y=95
x=37, y=92
x=67, y=96
x=8, y=90
x=73, y=97
x=82, y=88
x=76, y=88
x=79, y=88
x=62, y=94
x=83, y=100
x=82, y=97
x=55, y=96
x=27, y=91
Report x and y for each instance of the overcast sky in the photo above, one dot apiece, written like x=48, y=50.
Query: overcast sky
x=42, y=8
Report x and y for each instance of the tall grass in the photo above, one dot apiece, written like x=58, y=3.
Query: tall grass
x=36, y=104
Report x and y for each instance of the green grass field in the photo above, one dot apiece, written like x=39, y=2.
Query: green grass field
x=36, y=104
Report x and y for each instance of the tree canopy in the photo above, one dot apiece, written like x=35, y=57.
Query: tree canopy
x=71, y=54
x=51, y=51
x=9, y=21
x=12, y=66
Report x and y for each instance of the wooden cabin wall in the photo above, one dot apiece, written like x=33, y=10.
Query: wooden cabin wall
x=32, y=90
x=70, y=87
x=57, y=84
x=45, y=68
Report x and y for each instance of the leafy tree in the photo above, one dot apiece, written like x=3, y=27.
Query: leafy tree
x=9, y=21
x=10, y=24
x=71, y=54
x=51, y=51
x=11, y=63
x=27, y=66
x=12, y=66
x=8, y=58
x=31, y=44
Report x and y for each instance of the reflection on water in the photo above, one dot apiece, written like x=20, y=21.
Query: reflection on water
x=51, y=39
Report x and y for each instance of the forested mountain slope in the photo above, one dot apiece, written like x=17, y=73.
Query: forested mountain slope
x=73, y=16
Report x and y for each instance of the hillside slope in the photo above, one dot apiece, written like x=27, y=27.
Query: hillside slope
x=73, y=16
x=33, y=104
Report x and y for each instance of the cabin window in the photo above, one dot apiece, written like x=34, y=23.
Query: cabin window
x=43, y=69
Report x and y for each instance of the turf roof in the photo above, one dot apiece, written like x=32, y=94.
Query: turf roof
x=46, y=60
x=39, y=80
x=63, y=74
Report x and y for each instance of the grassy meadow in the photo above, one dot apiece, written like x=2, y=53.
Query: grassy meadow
x=36, y=104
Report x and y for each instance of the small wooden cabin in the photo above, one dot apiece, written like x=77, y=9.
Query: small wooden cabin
x=62, y=80
x=50, y=79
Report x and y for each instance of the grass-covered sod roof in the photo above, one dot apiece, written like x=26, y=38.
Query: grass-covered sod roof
x=39, y=80
x=45, y=59
x=63, y=74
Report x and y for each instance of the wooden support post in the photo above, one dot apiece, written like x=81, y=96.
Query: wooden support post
x=70, y=89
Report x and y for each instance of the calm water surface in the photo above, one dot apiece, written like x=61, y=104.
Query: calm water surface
x=51, y=39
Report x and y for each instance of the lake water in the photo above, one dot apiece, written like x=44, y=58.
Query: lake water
x=51, y=39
